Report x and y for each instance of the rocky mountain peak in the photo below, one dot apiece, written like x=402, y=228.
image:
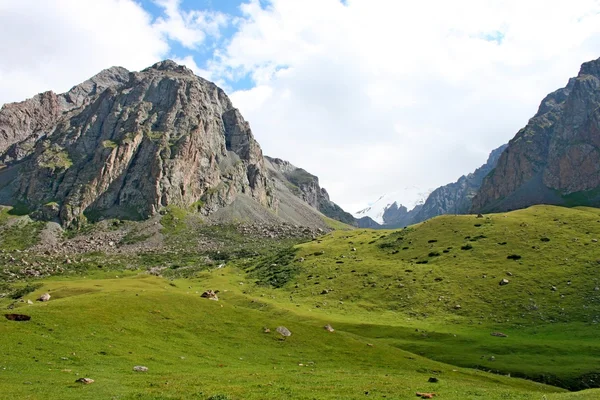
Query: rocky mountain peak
x=126, y=144
x=555, y=158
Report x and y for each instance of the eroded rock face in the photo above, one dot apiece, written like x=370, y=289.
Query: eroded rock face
x=306, y=186
x=555, y=159
x=124, y=144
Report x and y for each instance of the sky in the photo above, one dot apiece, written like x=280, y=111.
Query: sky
x=372, y=96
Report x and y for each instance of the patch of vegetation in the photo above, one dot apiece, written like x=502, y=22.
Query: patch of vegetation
x=466, y=247
x=55, y=158
x=109, y=144
x=133, y=237
x=275, y=269
x=19, y=292
x=21, y=235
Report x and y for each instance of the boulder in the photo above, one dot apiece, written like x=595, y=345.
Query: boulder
x=45, y=297
x=283, y=331
x=210, y=294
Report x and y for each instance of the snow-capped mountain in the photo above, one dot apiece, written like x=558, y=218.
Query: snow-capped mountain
x=408, y=197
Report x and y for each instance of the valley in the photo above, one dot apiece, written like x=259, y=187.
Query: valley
x=406, y=305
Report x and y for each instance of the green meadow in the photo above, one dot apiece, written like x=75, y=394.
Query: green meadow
x=407, y=305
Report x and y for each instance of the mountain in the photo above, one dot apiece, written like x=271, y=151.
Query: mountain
x=126, y=144
x=388, y=207
x=306, y=187
x=455, y=198
x=555, y=158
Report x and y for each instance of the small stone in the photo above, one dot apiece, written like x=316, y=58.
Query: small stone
x=266, y=330
x=433, y=379
x=85, y=381
x=329, y=328
x=509, y=273
x=554, y=289
x=498, y=334
x=210, y=294
x=29, y=302
x=44, y=297
x=504, y=282
x=457, y=307
x=283, y=331
x=354, y=249
x=140, y=368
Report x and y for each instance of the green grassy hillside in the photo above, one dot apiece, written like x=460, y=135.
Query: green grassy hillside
x=434, y=289
x=392, y=297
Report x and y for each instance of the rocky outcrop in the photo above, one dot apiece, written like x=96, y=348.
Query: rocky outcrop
x=456, y=198
x=124, y=144
x=555, y=159
x=367, y=222
x=306, y=187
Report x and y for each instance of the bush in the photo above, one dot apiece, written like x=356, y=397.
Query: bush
x=514, y=257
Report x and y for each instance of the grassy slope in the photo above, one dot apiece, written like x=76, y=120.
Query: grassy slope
x=196, y=348
x=379, y=290
x=113, y=324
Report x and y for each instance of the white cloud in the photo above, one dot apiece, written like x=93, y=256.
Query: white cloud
x=55, y=45
x=380, y=94
x=190, y=28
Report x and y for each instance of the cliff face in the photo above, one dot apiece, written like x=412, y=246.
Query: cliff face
x=455, y=198
x=306, y=187
x=555, y=159
x=125, y=144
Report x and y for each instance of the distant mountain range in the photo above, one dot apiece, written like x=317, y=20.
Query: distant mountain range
x=453, y=198
x=127, y=144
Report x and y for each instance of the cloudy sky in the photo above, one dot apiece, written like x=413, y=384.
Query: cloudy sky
x=373, y=96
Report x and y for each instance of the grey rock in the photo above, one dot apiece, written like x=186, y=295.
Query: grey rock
x=45, y=297
x=283, y=331
x=504, y=282
x=140, y=368
x=554, y=158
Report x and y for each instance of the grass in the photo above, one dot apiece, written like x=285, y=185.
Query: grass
x=215, y=349
x=397, y=321
x=386, y=277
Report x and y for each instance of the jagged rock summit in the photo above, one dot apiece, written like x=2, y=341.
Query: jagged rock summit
x=125, y=144
x=555, y=158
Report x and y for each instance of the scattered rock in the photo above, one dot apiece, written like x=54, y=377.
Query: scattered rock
x=504, y=282
x=426, y=395
x=283, y=331
x=498, y=334
x=554, y=289
x=433, y=379
x=329, y=328
x=45, y=297
x=479, y=215
x=17, y=317
x=325, y=291
x=140, y=368
x=266, y=330
x=354, y=249
x=29, y=302
x=457, y=307
x=509, y=273
x=210, y=294
x=85, y=381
